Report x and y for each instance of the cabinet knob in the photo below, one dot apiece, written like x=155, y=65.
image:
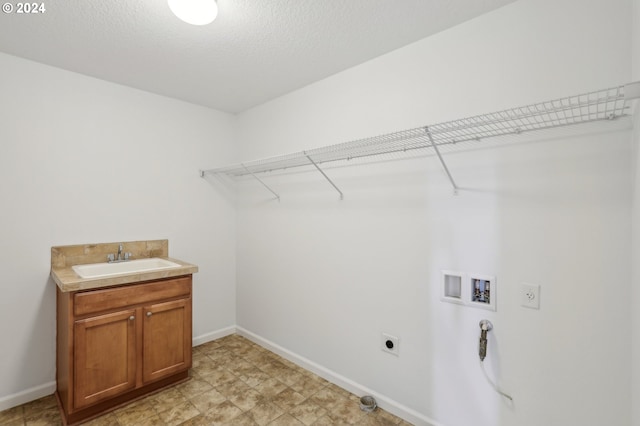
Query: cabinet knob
x=149, y=314
x=131, y=318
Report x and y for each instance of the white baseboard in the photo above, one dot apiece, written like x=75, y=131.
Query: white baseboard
x=27, y=395
x=383, y=401
x=208, y=337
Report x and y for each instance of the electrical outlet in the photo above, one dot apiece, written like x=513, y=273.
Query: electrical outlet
x=390, y=344
x=530, y=296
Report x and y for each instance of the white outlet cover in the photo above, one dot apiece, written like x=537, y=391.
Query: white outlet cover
x=530, y=295
x=394, y=341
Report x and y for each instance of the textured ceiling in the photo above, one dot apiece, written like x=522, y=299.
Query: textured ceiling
x=256, y=50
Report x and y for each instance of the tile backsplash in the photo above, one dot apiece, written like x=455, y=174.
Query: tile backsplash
x=63, y=256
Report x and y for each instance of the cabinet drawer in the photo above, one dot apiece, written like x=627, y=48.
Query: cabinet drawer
x=112, y=298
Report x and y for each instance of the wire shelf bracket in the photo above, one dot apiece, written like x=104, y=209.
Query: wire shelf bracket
x=262, y=182
x=444, y=165
x=602, y=105
x=325, y=176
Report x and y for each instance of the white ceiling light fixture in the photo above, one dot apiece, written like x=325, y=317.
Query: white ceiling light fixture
x=195, y=12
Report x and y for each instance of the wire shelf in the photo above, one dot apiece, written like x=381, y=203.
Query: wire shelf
x=606, y=104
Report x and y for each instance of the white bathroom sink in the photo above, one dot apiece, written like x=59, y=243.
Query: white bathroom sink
x=99, y=270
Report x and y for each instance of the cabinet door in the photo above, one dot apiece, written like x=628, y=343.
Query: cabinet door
x=167, y=339
x=105, y=356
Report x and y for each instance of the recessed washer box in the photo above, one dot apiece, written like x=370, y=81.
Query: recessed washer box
x=482, y=291
x=452, y=287
x=475, y=290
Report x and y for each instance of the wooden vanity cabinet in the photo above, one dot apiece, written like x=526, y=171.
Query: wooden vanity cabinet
x=116, y=344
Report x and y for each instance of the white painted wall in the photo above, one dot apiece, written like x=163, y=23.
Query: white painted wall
x=635, y=299
x=84, y=161
x=322, y=278
x=88, y=161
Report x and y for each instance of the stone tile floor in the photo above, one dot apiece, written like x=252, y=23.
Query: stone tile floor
x=234, y=382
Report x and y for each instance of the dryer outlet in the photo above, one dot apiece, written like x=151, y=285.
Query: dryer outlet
x=390, y=344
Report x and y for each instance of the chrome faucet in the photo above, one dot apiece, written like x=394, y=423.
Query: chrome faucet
x=120, y=257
